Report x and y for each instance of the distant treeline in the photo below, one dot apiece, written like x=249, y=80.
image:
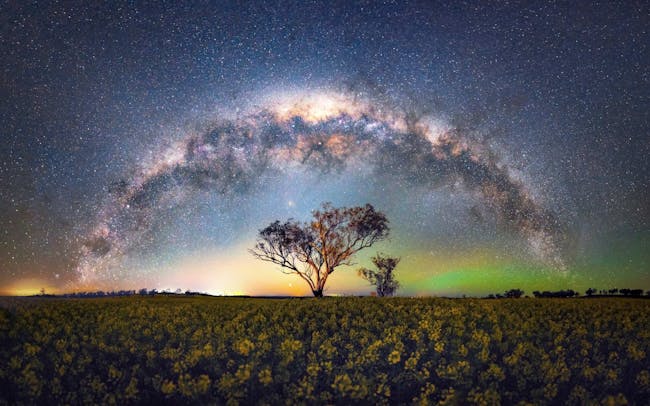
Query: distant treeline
x=616, y=292
x=116, y=293
x=512, y=293
x=559, y=293
x=591, y=292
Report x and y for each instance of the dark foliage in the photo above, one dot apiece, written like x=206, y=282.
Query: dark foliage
x=382, y=278
x=559, y=293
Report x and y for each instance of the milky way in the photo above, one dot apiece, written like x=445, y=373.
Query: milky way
x=323, y=132
x=143, y=145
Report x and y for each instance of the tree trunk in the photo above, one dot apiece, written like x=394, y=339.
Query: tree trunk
x=318, y=293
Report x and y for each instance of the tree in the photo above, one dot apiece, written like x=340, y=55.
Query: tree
x=514, y=293
x=590, y=291
x=383, y=278
x=636, y=292
x=313, y=250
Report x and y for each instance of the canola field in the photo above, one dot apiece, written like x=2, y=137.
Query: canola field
x=201, y=350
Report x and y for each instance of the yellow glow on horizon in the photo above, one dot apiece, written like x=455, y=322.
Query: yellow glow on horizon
x=231, y=272
x=237, y=272
x=28, y=287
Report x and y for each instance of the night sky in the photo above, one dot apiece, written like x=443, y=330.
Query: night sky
x=144, y=146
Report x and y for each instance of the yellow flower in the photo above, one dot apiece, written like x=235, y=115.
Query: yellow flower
x=394, y=357
x=265, y=376
x=439, y=346
x=244, y=347
x=411, y=363
x=168, y=387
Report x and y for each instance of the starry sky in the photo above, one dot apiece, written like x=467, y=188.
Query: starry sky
x=143, y=145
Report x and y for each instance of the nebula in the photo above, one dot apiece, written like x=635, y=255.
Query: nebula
x=322, y=131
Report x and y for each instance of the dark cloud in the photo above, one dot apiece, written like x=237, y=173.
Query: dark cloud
x=98, y=247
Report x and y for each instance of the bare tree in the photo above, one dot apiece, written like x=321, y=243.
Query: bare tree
x=383, y=278
x=314, y=249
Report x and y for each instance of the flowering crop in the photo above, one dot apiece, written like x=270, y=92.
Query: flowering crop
x=333, y=350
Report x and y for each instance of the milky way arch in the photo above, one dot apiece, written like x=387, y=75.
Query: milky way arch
x=323, y=131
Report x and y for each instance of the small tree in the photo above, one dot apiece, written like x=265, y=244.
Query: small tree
x=383, y=278
x=514, y=293
x=313, y=250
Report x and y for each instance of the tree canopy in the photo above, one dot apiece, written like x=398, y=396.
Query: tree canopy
x=312, y=250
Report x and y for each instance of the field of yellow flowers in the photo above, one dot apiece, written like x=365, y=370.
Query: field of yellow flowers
x=324, y=351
